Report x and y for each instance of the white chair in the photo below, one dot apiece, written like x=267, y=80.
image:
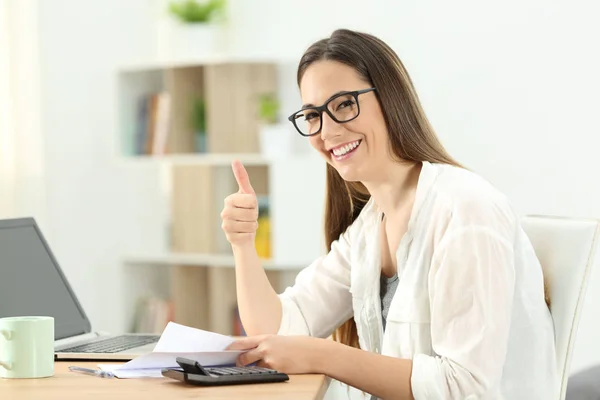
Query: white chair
x=565, y=248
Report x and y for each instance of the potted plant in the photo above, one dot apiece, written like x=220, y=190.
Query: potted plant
x=191, y=28
x=268, y=108
x=274, y=138
x=196, y=11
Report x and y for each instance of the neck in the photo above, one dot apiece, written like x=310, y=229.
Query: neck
x=396, y=189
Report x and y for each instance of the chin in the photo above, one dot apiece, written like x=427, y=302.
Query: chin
x=348, y=174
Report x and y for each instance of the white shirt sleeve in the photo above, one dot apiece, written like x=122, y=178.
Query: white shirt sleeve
x=320, y=299
x=471, y=286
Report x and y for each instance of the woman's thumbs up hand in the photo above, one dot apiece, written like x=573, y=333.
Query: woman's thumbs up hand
x=240, y=212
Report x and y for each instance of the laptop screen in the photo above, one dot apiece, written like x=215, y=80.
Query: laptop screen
x=31, y=281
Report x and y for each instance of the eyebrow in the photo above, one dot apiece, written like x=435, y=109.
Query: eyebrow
x=310, y=105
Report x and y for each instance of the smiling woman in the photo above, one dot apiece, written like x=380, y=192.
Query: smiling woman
x=430, y=285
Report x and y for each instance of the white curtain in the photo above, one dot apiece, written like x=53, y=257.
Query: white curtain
x=7, y=155
x=22, y=185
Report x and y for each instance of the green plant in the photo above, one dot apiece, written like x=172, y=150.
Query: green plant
x=199, y=116
x=194, y=11
x=268, y=108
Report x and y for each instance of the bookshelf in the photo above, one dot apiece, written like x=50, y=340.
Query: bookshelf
x=156, y=127
x=195, y=259
x=248, y=159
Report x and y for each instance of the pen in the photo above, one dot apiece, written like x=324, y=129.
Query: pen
x=94, y=372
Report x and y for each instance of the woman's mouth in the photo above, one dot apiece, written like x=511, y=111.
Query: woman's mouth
x=345, y=151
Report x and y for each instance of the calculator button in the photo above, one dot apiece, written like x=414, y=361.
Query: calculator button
x=252, y=371
x=236, y=370
x=220, y=371
x=247, y=370
x=215, y=371
x=265, y=370
x=232, y=371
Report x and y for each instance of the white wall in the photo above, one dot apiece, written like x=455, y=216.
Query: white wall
x=94, y=202
x=7, y=161
x=511, y=88
x=22, y=190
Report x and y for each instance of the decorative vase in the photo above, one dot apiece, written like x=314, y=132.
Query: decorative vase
x=201, y=145
x=188, y=41
x=275, y=140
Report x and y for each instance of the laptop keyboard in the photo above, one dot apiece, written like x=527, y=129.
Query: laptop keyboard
x=113, y=344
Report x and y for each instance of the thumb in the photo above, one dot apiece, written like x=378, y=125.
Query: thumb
x=241, y=176
x=246, y=343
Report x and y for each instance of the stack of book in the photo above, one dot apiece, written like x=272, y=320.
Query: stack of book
x=152, y=128
x=152, y=315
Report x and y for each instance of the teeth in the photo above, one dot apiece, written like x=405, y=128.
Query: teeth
x=345, y=149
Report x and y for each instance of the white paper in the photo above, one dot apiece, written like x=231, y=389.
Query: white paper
x=208, y=348
x=181, y=338
x=131, y=373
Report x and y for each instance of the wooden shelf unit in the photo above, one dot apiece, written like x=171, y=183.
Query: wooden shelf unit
x=220, y=159
x=202, y=277
x=195, y=259
x=230, y=92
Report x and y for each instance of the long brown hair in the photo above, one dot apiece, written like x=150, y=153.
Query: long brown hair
x=411, y=136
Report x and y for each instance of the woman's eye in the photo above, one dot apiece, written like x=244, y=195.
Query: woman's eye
x=310, y=116
x=347, y=103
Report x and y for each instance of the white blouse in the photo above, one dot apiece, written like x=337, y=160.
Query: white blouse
x=469, y=309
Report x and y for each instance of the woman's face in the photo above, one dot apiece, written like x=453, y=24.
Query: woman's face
x=357, y=149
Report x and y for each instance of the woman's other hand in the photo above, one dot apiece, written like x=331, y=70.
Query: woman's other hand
x=287, y=354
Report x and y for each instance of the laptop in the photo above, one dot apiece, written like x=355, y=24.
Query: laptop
x=32, y=283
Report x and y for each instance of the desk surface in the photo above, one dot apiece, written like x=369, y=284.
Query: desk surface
x=66, y=385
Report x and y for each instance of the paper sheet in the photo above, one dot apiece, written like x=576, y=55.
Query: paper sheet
x=208, y=348
x=131, y=373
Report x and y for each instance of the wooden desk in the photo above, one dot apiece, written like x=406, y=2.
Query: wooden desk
x=66, y=385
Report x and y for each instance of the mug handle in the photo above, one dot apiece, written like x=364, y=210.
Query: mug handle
x=6, y=365
x=7, y=335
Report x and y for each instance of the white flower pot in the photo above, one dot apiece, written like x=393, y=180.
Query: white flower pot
x=275, y=140
x=188, y=41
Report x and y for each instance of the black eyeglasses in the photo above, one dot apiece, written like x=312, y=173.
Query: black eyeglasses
x=341, y=107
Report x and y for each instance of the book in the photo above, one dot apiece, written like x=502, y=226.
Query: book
x=262, y=239
x=152, y=314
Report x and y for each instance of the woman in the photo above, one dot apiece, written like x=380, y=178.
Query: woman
x=430, y=284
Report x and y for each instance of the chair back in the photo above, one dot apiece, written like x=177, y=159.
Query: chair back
x=565, y=248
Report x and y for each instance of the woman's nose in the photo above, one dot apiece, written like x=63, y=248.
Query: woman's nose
x=329, y=128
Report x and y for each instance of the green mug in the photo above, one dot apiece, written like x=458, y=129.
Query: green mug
x=26, y=347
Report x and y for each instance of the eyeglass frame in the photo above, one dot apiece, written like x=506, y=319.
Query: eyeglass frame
x=321, y=108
